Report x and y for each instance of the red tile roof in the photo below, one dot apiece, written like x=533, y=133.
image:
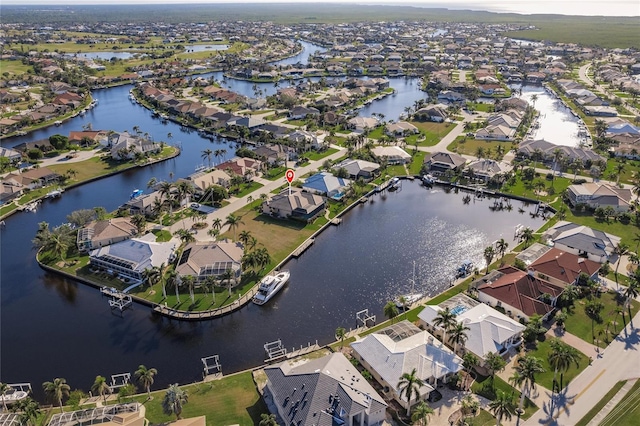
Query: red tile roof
x=564, y=266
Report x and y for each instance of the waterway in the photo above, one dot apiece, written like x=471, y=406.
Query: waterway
x=53, y=327
x=557, y=123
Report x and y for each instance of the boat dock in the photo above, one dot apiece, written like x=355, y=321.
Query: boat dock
x=117, y=299
x=303, y=247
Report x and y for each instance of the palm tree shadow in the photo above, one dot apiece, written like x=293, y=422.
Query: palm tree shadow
x=631, y=339
x=556, y=403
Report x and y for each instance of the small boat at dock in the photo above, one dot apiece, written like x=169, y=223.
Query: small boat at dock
x=55, y=193
x=405, y=301
x=269, y=286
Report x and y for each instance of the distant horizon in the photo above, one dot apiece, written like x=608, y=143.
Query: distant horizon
x=622, y=8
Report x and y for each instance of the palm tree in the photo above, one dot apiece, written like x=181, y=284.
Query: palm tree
x=233, y=221
x=527, y=236
x=458, y=335
x=173, y=279
x=245, y=236
x=502, y=246
x=527, y=367
x=101, y=387
x=207, y=154
x=620, y=249
x=140, y=222
x=445, y=319
x=340, y=335
x=390, y=310
x=469, y=362
x=217, y=223
x=268, y=420
x=227, y=275
x=145, y=377
x=494, y=363
x=631, y=292
x=184, y=235
x=189, y=281
x=184, y=189
x=501, y=407
x=4, y=388
x=409, y=385
x=57, y=390
x=534, y=98
x=421, y=414
x=165, y=190
x=30, y=411
x=561, y=357
x=174, y=400
x=489, y=254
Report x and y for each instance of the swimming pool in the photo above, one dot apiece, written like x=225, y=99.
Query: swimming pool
x=459, y=309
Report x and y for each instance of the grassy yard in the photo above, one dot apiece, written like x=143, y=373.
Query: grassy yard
x=600, y=405
x=319, y=155
x=546, y=379
x=482, y=386
x=416, y=163
x=469, y=146
x=627, y=411
x=581, y=325
x=624, y=231
x=231, y=400
x=14, y=67
x=430, y=133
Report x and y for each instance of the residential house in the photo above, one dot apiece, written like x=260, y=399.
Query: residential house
x=145, y=204
x=323, y=391
x=203, y=180
x=596, y=195
x=442, y=162
x=581, y=240
x=202, y=259
x=301, y=112
x=393, y=154
x=490, y=331
x=362, y=124
x=400, y=348
x=359, y=169
x=400, y=128
x=101, y=233
x=305, y=140
x=124, y=145
x=563, y=266
x=10, y=154
x=521, y=294
x=131, y=257
x=437, y=113
x=529, y=148
x=326, y=184
x=275, y=153
x=294, y=204
x=487, y=169
x=241, y=166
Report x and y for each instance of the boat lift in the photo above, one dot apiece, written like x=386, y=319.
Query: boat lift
x=275, y=350
x=211, y=366
x=117, y=299
x=363, y=318
x=119, y=380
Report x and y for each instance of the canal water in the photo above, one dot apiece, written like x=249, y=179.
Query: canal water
x=557, y=123
x=53, y=327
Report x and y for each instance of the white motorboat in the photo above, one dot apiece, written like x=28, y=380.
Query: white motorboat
x=405, y=301
x=269, y=286
x=55, y=193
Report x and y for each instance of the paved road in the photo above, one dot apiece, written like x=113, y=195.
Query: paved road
x=618, y=362
x=583, y=74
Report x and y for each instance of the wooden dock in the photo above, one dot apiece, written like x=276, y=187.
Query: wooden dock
x=303, y=247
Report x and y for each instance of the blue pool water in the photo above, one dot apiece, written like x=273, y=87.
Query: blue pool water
x=458, y=310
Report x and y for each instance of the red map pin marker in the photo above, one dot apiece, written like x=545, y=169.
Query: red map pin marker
x=290, y=175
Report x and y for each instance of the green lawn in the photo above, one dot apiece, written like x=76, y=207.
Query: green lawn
x=627, y=411
x=416, y=163
x=484, y=418
x=546, y=379
x=231, y=400
x=469, y=146
x=430, y=133
x=319, y=155
x=600, y=405
x=248, y=188
x=579, y=323
x=14, y=67
x=482, y=386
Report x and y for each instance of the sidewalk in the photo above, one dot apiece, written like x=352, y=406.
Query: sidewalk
x=611, y=404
